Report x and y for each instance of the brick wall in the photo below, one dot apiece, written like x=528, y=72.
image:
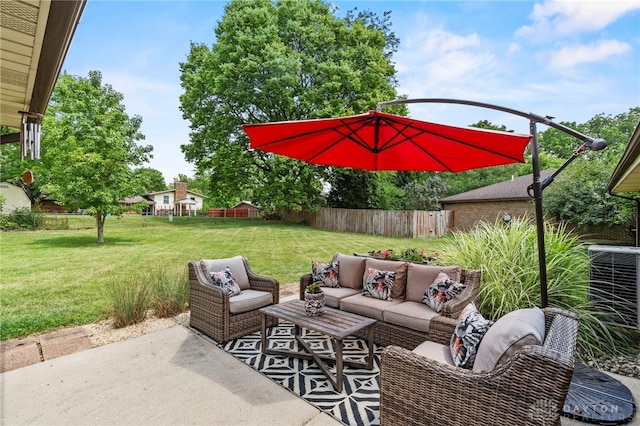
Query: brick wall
x=180, y=190
x=467, y=215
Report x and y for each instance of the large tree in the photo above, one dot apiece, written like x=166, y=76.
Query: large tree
x=276, y=61
x=89, y=145
x=146, y=179
x=579, y=194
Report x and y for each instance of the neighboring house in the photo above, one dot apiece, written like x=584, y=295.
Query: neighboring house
x=14, y=197
x=148, y=210
x=177, y=201
x=491, y=202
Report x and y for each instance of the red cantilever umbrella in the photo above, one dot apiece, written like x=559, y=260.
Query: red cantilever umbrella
x=379, y=141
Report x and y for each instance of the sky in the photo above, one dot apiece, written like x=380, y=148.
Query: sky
x=567, y=59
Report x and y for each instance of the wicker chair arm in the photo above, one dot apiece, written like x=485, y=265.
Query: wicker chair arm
x=471, y=279
x=305, y=280
x=441, y=329
x=262, y=282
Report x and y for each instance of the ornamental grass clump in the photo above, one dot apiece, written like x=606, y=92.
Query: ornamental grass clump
x=129, y=298
x=169, y=292
x=507, y=255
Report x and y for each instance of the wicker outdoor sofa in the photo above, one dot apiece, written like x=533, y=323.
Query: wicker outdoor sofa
x=221, y=316
x=528, y=388
x=404, y=321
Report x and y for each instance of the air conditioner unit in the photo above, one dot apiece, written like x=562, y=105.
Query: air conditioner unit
x=614, y=283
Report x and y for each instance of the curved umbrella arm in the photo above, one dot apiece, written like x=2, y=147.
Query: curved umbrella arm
x=590, y=143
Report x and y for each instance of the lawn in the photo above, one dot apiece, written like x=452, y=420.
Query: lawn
x=54, y=279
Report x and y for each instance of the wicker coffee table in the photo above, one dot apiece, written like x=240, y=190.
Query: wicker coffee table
x=334, y=323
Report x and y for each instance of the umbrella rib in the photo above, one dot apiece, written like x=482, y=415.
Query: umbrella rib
x=351, y=135
x=461, y=142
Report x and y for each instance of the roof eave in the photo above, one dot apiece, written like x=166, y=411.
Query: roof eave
x=626, y=176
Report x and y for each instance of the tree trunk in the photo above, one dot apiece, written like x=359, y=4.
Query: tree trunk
x=100, y=217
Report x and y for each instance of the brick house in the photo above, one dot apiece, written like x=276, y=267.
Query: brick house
x=491, y=202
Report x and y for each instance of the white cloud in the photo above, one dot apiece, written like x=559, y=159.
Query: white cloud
x=570, y=56
x=434, y=59
x=563, y=17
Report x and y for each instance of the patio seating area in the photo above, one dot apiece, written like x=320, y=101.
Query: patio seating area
x=173, y=376
x=527, y=363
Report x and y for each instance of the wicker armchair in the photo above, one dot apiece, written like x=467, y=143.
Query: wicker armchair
x=528, y=389
x=223, y=317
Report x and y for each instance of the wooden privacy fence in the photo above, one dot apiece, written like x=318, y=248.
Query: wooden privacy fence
x=232, y=213
x=387, y=223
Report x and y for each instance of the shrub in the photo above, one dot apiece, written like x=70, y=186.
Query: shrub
x=22, y=218
x=129, y=298
x=507, y=255
x=409, y=254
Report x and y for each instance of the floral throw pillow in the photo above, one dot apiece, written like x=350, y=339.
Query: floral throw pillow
x=440, y=291
x=325, y=274
x=224, y=279
x=378, y=284
x=467, y=336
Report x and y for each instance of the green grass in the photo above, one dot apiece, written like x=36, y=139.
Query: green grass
x=57, y=278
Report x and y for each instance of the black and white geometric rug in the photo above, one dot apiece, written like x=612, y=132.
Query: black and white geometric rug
x=357, y=404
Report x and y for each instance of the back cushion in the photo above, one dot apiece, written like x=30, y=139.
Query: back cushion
x=509, y=334
x=234, y=263
x=350, y=270
x=399, y=267
x=420, y=277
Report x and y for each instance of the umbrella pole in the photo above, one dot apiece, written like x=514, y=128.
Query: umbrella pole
x=537, y=196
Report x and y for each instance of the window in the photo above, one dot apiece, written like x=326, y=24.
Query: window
x=165, y=199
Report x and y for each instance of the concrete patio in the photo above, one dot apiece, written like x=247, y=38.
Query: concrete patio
x=173, y=376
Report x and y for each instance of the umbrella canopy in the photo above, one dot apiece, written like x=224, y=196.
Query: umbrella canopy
x=380, y=141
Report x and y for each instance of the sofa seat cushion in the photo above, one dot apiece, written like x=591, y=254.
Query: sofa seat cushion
x=413, y=315
x=333, y=295
x=234, y=263
x=367, y=306
x=249, y=300
x=510, y=333
x=397, y=267
x=435, y=351
x=350, y=270
x=420, y=277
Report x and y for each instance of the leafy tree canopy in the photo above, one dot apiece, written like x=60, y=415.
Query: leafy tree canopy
x=88, y=145
x=146, y=179
x=578, y=195
x=277, y=61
